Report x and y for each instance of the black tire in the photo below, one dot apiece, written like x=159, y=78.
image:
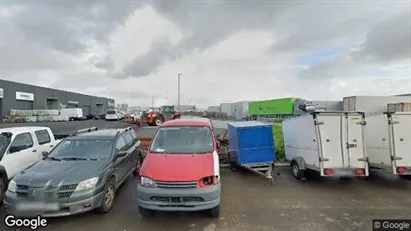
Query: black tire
x=158, y=121
x=3, y=188
x=106, y=204
x=298, y=174
x=145, y=212
x=405, y=177
x=214, y=212
x=136, y=172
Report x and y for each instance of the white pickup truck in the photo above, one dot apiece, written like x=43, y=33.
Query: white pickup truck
x=21, y=147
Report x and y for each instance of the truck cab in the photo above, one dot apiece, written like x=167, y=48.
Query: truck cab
x=181, y=169
x=157, y=117
x=20, y=148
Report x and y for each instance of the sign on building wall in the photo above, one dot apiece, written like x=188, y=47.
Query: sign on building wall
x=72, y=102
x=24, y=96
x=1, y=93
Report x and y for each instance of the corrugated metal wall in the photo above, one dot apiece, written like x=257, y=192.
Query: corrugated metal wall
x=239, y=110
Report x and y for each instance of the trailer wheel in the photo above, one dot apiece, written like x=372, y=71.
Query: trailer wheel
x=298, y=174
x=3, y=188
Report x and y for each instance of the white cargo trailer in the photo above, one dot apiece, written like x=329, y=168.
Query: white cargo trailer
x=388, y=142
x=329, y=142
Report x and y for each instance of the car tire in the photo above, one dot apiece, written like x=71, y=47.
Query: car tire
x=108, y=197
x=405, y=177
x=145, y=212
x=298, y=174
x=214, y=212
x=158, y=121
x=136, y=172
x=3, y=187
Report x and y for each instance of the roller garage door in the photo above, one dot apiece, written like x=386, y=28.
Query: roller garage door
x=100, y=109
x=86, y=110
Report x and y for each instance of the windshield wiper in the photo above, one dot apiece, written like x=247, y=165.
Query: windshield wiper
x=73, y=158
x=54, y=158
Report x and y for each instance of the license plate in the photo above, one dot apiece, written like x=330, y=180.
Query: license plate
x=38, y=206
x=343, y=172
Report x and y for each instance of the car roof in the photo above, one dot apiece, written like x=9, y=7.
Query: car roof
x=194, y=121
x=22, y=129
x=108, y=133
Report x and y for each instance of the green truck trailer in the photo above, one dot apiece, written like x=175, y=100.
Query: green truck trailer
x=272, y=108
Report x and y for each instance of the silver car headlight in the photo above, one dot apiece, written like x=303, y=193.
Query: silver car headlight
x=12, y=186
x=87, y=184
x=147, y=182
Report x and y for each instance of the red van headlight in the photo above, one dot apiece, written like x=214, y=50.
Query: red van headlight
x=208, y=181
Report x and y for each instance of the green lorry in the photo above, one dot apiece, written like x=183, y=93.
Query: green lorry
x=272, y=108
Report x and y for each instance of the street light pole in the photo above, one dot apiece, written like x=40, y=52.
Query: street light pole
x=178, y=102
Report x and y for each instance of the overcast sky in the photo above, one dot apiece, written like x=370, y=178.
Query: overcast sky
x=248, y=50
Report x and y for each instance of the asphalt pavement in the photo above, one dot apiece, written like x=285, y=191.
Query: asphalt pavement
x=248, y=204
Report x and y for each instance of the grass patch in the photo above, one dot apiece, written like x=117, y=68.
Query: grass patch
x=279, y=142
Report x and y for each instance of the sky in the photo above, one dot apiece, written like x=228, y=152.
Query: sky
x=225, y=51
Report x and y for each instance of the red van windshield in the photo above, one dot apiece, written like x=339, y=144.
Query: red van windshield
x=183, y=140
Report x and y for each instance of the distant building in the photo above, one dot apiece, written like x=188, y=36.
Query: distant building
x=186, y=108
x=21, y=96
x=213, y=109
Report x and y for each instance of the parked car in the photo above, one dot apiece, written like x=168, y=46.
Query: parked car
x=21, y=147
x=181, y=170
x=82, y=173
x=112, y=114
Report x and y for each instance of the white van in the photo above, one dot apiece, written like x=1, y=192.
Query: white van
x=112, y=114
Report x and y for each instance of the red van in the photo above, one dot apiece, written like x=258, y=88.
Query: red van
x=181, y=170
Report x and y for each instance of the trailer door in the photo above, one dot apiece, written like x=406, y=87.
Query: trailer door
x=329, y=130
x=354, y=142
x=401, y=140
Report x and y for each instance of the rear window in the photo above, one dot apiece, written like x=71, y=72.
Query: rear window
x=110, y=112
x=43, y=136
x=183, y=140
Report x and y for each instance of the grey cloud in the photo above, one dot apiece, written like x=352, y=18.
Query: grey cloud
x=66, y=25
x=388, y=41
x=339, y=68
x=318, y=24
x=204, y=24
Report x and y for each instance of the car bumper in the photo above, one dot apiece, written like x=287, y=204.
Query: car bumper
x=162, y=199
x=76, y=204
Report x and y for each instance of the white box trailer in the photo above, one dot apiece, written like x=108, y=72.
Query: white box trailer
x=331, y=143
x=388, y=142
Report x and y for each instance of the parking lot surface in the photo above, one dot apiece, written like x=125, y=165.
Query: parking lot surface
x=248, y=204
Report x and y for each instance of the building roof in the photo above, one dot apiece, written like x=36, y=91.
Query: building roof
x=194, y=121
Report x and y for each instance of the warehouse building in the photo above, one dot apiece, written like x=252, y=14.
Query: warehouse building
x=21, y=96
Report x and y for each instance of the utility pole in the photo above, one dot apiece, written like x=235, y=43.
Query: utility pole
x=178, y=102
